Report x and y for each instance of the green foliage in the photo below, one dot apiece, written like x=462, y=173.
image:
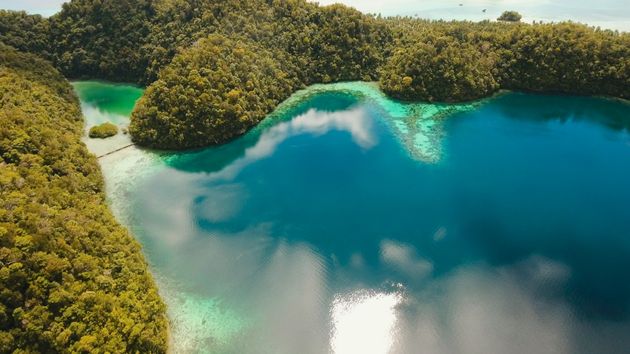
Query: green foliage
x=101, y=38
x=209, y=93
x=37, y=70
x=131, y=40
x=71, y=278
x=442, y=69
x=510, y=16
x=567, y=58
x=311, y=43
x=27, y=33
x=346, y=45
x=103, y=131
x=455, y=61
x=214, y=91
x=413, y=60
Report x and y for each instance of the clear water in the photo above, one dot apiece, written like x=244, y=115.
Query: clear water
x=112, y=102
x=612, y=14
x=106, y=102
x=324, y=230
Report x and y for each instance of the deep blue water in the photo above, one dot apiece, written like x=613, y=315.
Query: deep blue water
x=517, y=240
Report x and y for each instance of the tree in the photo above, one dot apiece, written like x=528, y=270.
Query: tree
x=441, y=70
x=510, y=16
x=103, y=131
x=71, y=278
x=221, y=88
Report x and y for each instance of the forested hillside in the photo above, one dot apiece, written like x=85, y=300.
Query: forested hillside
x=453, y=61
x=280, y=48
x=412, y=59
x=301, y=43
x=24, y=32
x=71, y=278
x=230, y=85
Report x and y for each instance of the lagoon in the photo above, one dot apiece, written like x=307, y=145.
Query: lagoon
x=350, y=223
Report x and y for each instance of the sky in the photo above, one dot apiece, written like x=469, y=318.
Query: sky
x=42, y=7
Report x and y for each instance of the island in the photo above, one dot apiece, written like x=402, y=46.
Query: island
x=72, y=278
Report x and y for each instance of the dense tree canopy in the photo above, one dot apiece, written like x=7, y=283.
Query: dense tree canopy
x=566, y=58
x=132, y=40
x=455, y=61
x=283, y=45
x=346, y=45
x=212, y=92
x=28, y=33
x=510, y=16
x=101, y=38
x=103, y=131
x=442, y=69
x=71, y=278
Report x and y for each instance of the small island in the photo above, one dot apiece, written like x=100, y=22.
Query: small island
x=103, y=131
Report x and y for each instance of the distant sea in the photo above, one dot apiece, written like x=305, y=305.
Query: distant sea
x=611, y=14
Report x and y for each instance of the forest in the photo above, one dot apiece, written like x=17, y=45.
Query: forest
x=72, y=279
x=289, y=44
x=454, y=61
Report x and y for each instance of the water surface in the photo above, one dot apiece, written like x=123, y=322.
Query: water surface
x=103, y=102
x=348, y=223
x=610, y=14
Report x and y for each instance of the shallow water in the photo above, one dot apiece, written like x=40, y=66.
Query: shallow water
x=348, y=223
x=106, y=102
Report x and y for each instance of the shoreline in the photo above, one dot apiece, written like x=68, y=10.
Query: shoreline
x=418, y=126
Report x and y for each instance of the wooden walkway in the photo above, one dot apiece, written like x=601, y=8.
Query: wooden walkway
x=115, y=151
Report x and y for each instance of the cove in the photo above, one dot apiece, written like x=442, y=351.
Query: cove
x=350, y=223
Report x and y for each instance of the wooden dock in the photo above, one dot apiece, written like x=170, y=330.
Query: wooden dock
x=115, y=151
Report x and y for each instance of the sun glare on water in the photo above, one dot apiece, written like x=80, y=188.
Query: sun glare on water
x=364, y=322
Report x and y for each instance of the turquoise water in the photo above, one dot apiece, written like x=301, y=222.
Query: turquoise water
x=114, y=101
x=348, y=223
x=612, y=14
x=103, y=102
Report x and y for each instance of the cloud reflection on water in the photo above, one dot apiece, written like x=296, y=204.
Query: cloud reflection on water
x=95, y=116
x=282, y=291
x=509, y=309
x=354, y=121
x=364, y=322
x=281, y=295
x=280, y=285
x=403, y=258
x=220, y=202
